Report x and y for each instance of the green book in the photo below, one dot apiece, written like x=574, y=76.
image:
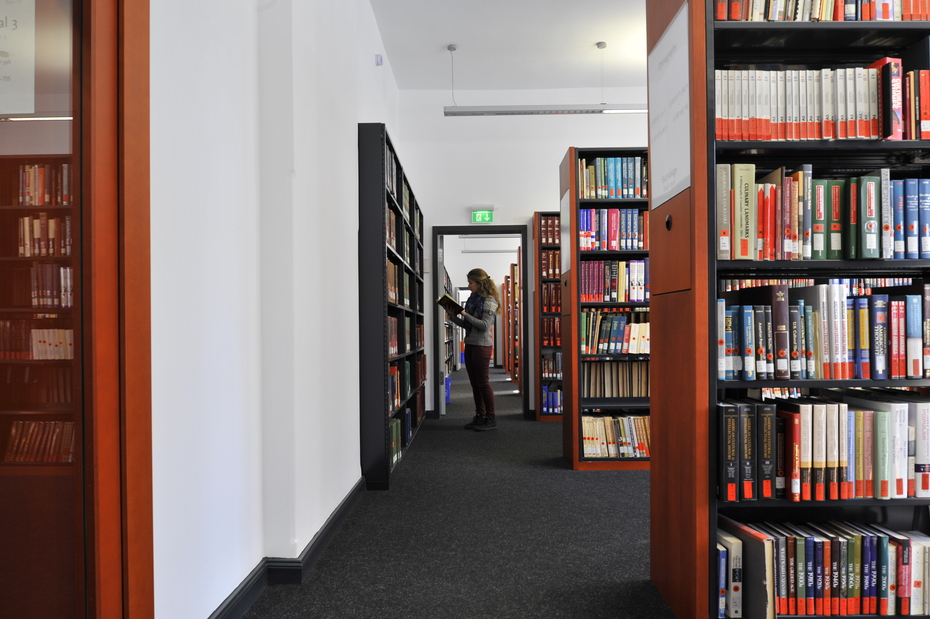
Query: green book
x=870, y=213
x=819, y=219
x=834, y=224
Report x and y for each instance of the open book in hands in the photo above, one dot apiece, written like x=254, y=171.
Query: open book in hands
x=450, y=305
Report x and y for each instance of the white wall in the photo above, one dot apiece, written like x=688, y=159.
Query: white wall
x=255, y=105
x=206, y=417
x=511, y=162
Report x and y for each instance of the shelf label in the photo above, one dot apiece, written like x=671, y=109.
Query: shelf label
x=670, y=112
x=482, y=217
x=17, y=57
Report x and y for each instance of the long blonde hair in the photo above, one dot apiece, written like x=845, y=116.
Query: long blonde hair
x=486, y=286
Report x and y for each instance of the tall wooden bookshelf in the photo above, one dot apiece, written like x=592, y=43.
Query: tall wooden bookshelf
x=547, y=301
x=687, y=276
x=391, y=307
x=72, y=522
x=513, y=324
x=597, y=383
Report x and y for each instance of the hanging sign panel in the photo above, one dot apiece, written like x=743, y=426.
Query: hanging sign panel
x=670, y=112
x=17, y=56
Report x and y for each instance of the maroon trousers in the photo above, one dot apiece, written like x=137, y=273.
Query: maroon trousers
x=477, y=364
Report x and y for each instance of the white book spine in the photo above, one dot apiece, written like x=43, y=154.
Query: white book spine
x=780, y=118
x=852, y=110
x=766, y=113
x=872, y=78
x=921, y=423
x=840, y=96
x=814, y=102
x=732, y=105
x=719, y=110
x=828, y=103
x=802, y=103
x=745, y=107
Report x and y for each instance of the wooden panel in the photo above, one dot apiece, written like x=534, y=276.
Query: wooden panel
x=671, y=248
x=135, y=286
x=679, y=484
x=570, y=366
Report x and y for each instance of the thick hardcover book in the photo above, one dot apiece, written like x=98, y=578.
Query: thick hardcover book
x=721, y=580
x=819, y=222
x=724, y=199
x=729, y=442
x=747, y=341
x=798, y=440
x=802, y=177
x=744, y=223
x=748, y=480
x=734, y=587
x=781, y=565
x=911, y=219
x=890, y=100
x=758, y=559
x=450, y=304
x=878, y=315
x=885, y=211
x=781, y=461
x=869, y=208
x=766, y=463
x=794, y=348
x=835, y=193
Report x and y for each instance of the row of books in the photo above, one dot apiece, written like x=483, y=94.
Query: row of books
x=826, y=568
x=51, y=286
x=550, y=365
x=390, y=171
x=614, y=281
x=789, y=215
x=855, y=286
x=551, y=297
x=550, y=266
x=614, y=379
x=840, y=444
x=614, y=332
x=551, y=330
x=29, y=386
x=40, y=441
x=551, y=400
x=44, y=184
x=625, y=436
x=19, y=340
x=403, y=378
x=613, y=229
x=821, y=10
x=606, y=178
x=413, y=336
x=878, y=102
x=549, y=231
x=399, y=283
x=41, y=235
x=819, y=333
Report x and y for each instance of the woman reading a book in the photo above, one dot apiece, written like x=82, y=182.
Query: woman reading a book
x=477, y=319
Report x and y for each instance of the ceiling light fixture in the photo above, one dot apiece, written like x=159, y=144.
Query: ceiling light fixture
x=537, y=110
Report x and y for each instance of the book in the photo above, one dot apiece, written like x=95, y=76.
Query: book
x=450, y=304
x=758, y=551
x=734, y=586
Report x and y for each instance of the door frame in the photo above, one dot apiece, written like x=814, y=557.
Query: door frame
x=440, y=231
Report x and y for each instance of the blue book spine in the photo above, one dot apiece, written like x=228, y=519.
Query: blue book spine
x=737, y=342
x=624, y=165
x=748, y=342
x=897, y=205
x=611, y=178
x=878, y=316
x=721, y=581
x=624, y=230
x=911, y=219
x=545, y=400
x=923, y=208
x=863, y=337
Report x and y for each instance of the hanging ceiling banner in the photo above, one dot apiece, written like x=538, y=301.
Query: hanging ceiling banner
x=670, y=112
x=17, y=56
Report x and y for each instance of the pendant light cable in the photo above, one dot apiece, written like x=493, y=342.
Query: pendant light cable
x=452, y=47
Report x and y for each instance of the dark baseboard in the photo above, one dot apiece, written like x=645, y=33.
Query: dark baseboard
x=281, y=571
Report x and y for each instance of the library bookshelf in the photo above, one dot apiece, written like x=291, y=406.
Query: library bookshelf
x=600, y=287
x=547, y=301
x=512, y=299
x=688, y=276
x=391, y=307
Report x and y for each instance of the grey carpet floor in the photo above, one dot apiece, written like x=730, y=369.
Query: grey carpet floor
x=485, y=525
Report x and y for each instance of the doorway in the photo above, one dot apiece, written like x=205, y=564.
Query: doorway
x=491, y=255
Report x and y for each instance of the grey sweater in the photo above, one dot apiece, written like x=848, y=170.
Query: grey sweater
x=480, y=334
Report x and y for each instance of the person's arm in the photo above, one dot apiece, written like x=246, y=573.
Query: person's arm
x=486, y=320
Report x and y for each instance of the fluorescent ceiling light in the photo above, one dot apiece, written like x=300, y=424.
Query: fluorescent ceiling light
x=34, y=118
x=531, y=110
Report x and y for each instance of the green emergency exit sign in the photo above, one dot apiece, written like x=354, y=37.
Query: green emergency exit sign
x=482, y=217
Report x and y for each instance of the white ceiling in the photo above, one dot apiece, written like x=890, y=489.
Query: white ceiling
x=514, y=44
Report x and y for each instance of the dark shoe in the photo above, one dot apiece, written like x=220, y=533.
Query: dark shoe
x=486, y=423
x=474, y=423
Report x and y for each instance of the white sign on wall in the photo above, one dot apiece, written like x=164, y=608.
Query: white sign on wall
x=670, y=112
x=17, y=56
